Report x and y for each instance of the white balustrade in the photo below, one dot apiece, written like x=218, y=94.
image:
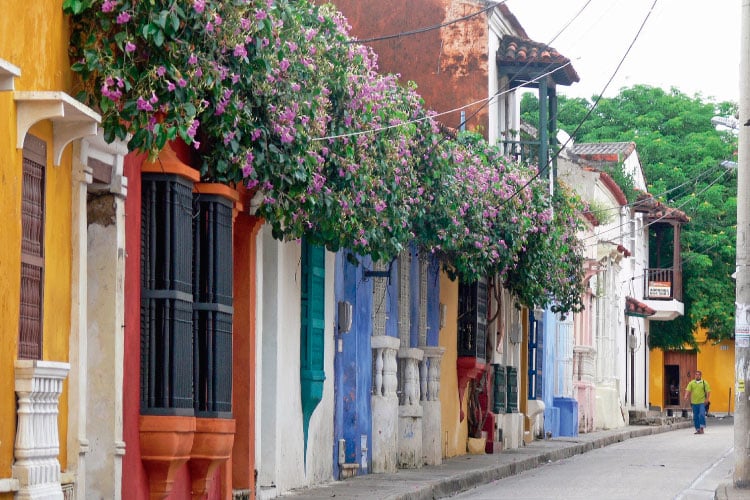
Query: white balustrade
x=38, y=387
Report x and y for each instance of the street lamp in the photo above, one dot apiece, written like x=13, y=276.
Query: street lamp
x=723, y=123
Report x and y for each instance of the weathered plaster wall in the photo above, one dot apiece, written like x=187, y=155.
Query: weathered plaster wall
x=449, y=65
x=282, y=464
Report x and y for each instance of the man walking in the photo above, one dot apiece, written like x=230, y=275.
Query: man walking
x=699, y=392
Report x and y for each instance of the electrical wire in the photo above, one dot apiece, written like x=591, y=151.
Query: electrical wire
x=660, y=218
x=482, y=102
x=675, y=188
x=427, y=28
x=593, y=106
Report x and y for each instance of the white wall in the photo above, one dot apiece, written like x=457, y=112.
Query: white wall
x=281, y=464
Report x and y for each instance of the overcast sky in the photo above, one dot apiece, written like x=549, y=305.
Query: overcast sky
x=689, y=44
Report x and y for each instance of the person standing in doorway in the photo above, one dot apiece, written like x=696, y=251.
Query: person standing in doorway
x=699, y=392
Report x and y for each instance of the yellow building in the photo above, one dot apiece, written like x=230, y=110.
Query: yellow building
x=38, y=192
x=674, y=369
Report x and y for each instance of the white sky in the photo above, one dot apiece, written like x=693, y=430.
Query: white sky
x=692, y=45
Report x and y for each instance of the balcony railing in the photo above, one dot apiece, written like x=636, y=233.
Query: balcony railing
x=526, y=151
x=660, y=285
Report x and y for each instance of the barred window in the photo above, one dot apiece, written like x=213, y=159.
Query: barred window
x=32, y=248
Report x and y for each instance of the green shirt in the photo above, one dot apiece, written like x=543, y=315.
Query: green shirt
x=698, y=391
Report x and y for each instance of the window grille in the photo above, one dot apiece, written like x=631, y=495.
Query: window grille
x=212, y=305
x=166, y=295
x=472, y=319
x=32, y=248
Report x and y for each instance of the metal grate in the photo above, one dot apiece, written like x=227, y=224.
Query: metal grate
x=472, y=319
x=166, y=295
x=241, y=494
x=212, y=305
x=32, y=249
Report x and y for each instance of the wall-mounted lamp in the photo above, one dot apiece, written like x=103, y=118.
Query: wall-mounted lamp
x=345, y=316
x=443, y=314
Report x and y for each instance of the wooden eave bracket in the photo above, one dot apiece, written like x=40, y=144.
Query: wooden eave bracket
x=71, y=119
x=8, y=74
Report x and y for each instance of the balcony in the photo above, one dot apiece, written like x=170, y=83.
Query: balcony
x=663, y=292
x=527, y=151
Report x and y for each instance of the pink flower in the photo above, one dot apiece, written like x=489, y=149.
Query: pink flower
x=144, y=105
x=199, y=6
x=129, y=47
x=123, y=17
x=109, y=5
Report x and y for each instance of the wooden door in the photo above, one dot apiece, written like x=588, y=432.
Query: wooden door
x=686, y=363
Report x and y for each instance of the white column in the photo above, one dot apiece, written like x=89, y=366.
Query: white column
x=78, y=444
x=99, y=341
x=430, y=401
x=38, y=387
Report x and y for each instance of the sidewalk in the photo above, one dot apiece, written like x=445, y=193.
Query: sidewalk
x=468, y=471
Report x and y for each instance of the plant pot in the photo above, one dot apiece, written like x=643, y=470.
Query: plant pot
x=476, y=446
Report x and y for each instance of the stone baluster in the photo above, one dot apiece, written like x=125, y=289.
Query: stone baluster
x=385, y=382
x=433, y=356
x=37, y=469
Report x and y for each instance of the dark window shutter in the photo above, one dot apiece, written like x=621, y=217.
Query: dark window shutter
x=499, y=393
x=32, y=248
x=166, y=295
x=472, y=319
x=312, y=374
x=512, y=389
x=212, y=305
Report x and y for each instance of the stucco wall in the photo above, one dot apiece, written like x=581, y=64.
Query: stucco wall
x=281, y=452
x=716, y=361
x=33, y=37
x=454, y=432
x=449, y=65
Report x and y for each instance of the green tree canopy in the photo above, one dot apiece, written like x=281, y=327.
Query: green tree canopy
x=681, y=153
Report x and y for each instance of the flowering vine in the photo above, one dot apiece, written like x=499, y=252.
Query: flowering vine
x=276, y=95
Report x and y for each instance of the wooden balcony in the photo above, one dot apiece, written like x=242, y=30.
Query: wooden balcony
x=663, y=293
x=662, y=284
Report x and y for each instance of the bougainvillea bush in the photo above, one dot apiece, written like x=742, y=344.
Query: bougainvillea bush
x=276, y=95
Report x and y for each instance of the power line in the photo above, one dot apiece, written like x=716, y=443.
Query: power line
x=427, y=28
x=593, y=106
x=485, y=101
x=675, y=188
x=658, y=219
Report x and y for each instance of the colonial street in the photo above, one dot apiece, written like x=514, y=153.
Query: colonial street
x=671, y=465
x=654, y=462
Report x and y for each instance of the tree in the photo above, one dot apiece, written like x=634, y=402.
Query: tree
x=681, y=154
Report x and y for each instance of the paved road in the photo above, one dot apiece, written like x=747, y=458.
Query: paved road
x=675, y=465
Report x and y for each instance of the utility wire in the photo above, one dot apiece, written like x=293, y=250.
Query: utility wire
x=658, y=219
x=593, y=106
x=675, y=188
x=427, y=28
x=483, y=102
